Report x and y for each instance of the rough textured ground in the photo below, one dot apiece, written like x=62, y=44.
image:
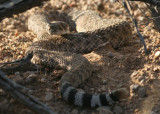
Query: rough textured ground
x=126, y=67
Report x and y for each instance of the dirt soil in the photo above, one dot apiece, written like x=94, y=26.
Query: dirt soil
x=127, y=66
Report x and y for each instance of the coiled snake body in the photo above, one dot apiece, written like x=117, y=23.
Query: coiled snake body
x=65, y=50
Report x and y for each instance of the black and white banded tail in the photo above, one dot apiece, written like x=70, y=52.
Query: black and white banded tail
x=73, y=96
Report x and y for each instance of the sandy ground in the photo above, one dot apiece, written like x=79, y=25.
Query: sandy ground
x=126, y=67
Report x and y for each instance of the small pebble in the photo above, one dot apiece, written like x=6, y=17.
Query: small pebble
x=85, y=7
x=1, y=91
x=141, y=18
x=74, y=111
x=112, y=1
x=105, y=1
x=31, y=78
x=48, y=96
x=142, y=82
x=10, y=27
x=156, y=69
x=104, y=82
x=30, y=92
x=119, y=12
x=92, y=89
x=157, y=55
x=17, y=73
x=58, y=72
x=89, y=1
x=17, y=78
x=147, y=29
x=12, y=100
x=103, y=88
x=110, y=55
x=104, y=110
x=134, y=74
x=118, y=110
x=152, y=112
x=4, y=105
x=83, y=112
x=43, y=80
x=140, y=78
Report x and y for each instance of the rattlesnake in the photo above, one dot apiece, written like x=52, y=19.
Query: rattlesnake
x=65, y=50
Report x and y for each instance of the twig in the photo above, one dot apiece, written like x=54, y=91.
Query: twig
x=135, y=24
x=20, y=93
x=155, y=13
x=10, y=7
x=152, y=2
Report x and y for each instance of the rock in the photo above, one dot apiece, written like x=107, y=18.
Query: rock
x=142, y=92
x=104, y=110
x=134, y=87
x=48, y=96
x=118, y=110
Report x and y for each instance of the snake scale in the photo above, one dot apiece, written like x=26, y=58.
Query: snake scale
x=56, y=46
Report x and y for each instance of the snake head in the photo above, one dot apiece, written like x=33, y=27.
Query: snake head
x=58, y=28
